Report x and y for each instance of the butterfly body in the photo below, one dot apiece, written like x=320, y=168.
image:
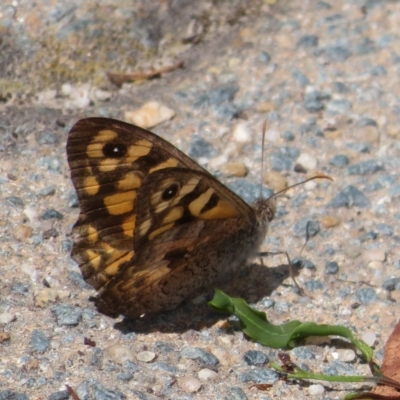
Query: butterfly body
x=155, y=228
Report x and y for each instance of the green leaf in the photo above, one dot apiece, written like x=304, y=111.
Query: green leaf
x=255, y=325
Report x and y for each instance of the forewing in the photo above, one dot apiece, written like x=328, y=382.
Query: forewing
x=109, y=160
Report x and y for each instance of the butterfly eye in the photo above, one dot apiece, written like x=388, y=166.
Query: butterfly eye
x=170, y=192
x=114, y=150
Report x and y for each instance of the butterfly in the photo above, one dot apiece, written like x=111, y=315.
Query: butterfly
x=155, y=228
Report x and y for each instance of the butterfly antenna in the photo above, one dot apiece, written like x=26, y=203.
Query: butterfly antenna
x=318, y=176
x=264, y=128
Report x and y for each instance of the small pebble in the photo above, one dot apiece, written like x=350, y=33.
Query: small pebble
x=316, y=390
x=366, y=295
x=67, y=315
x=332, y=268
x=260, y=375
x=330, y=221
x=120, y=354
x=376, y=265
x=345, y=355
x=272, y=135
x=236, y=169
x=241, y=133
x=275, y=180
x=369, y=338
x=39, y=341
x=391, y=284
x=22, y=232
x=307, y=161
x=374, y=255
x=365, y=168
x=288, y=136
x=200, y=355
x=339, y=161
x=237, y=393
x=189, y=384
x=149, y=115
x=206, y=374
x=6, y=318
x=146, y=356
x=255, y=357
x=366, y=134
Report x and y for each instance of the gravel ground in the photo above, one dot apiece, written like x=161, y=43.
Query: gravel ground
x=322, y=73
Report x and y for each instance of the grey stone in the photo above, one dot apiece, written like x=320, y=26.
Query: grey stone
x=235, y=393
x=298, y=200
x=130, y=366
x=67, y=315
x=288, y=136
x=349, y=197
x=260, y=375
x=368, y=167
x=9, y=395
x=255, y=357
x=300, y=262
x=339, y=161
x=280, y=162
x=249, y=191
x=359, y=147
x=73, y=201
x=97, y=358
x=336, y=52
x=395, y=190
x=379, y=70
x=337, y=367
x=76, y=278
x=391, y=284
x=216, y=96
x=200, y=355
x=61, y=395
x=124, y=376
x=340, y=106
x=363, y=122
x=364, y=46
x=282, y=306
x=331, y=268
x=366, y=295
x=14, y=201
x=264, y=57
x=300, y=78
x=306, y=227
x=313, y=285
x=48, y=138
x=201, y=148
x=20, y=288
x=385, y=229
x=303, y=353
x=51, y=213
x=340, y=87
x=308, y=41
x=47, y=191
x=39, y=341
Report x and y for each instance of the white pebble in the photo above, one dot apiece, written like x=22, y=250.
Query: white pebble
x=369, y=337
x=146, y=356
x=377, y=265
x=207, y=374
x=241, y=133
x=374, y=255
x=6, y=318
x=316, y=390
x=119, y=353
x=345, y=355
x=150, y=114
x=66, y=89
x=307, y=161
x=272, y=135
x=189, y=384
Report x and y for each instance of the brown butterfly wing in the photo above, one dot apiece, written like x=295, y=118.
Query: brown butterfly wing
x=109, y=160
x=190, y=235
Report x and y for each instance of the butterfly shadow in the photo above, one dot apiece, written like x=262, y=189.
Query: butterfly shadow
x=253, y=283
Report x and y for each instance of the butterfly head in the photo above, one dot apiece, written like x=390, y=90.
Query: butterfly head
x=265, y=208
